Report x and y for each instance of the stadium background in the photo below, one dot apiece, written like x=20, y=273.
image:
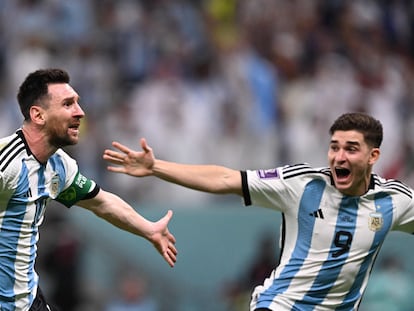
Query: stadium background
x=248, y=84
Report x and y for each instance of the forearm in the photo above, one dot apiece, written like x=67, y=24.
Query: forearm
x=116, y=211
x=206, y=178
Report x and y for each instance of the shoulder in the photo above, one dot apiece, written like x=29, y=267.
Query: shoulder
x=11, y=143
x=64, y=157
x=304, y=170
x=392, y=186
x=11, y=149
x=290, y=174
x=64, y=164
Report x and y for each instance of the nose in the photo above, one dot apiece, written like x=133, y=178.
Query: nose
x=79, y=111
x=340, y=155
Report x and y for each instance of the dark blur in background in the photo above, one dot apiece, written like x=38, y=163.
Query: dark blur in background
x=247, y=84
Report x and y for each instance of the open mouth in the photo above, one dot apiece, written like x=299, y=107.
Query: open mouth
x=342, y=172
x=74, y=125
x=74, y=128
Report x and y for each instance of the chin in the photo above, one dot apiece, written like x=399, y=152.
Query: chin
x=73, y=141
x=64, y=143
x=342, y=188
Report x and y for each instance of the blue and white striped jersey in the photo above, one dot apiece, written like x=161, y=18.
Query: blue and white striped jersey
x=26, y=185
x=329, y=241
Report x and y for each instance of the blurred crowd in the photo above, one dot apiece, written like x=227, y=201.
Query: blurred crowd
x=243, y=83
x=249, y=84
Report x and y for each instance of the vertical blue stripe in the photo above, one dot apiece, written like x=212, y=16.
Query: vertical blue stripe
x=40, y=205
x=58, y=167
x=331, y=268
x=42, y=194
x=309, y=203
x=383, y=203
x=9, y=239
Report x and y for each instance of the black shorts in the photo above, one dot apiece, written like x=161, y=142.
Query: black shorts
x=262, y=309
x=40, y=304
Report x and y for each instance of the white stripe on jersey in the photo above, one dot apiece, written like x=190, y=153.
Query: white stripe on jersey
x=25, y=187
x=330, y=240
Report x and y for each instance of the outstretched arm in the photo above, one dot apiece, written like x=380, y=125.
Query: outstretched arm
x=119, y=213
x=207, y=178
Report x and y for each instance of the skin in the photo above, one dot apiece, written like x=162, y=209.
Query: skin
x=207, y=178
x=55, y=123
x=347, y=151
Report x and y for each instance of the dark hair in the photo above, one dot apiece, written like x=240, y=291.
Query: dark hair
x=35, y=87
x=370, y=127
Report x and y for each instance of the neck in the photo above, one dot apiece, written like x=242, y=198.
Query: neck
x=367, y=181
x=37, y=142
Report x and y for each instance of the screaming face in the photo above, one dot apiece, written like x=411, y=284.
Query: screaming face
x=351, y=160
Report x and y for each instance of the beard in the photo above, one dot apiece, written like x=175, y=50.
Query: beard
x=60, y=140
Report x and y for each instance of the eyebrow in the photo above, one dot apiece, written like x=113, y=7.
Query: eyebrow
x=349, y=142
x=73, y=98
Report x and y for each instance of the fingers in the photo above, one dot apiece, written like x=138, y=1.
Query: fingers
x=171, y=261
x=113, y=156
x=144, y=145
x=121, y=147
x=118, y=157
x=167, y=218
x=169, y=215
x=170, y=255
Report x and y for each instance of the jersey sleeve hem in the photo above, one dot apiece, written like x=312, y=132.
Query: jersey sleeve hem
x=245, y=188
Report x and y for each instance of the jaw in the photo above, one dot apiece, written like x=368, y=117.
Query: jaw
x=73, y=133
x=343, y=179
x=343, y=185
x=64, y=138
x=351, y=185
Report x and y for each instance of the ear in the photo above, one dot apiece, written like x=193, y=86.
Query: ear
x=374, y=156
x=37, y=115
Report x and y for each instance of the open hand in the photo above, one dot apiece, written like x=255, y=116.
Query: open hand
x=130, y=162
x=163, y=240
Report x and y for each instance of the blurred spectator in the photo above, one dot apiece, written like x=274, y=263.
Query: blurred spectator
x=255, y=81
x=188, y=71
x=60, y=257
x=132, y=295
x=238, y=292
x=63, y=260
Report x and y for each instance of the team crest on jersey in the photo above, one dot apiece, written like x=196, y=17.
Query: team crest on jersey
x=271, y=173
x=375, y=221
x=54, y=188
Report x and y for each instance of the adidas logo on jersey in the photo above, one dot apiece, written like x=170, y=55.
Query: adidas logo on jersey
x=28, y=193
x=317, y=214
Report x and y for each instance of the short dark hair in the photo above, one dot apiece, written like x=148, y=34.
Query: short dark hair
x=35, y=87
x=370, y=127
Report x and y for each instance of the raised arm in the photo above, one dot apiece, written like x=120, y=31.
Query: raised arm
x=120, y=214
x=207, y=178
